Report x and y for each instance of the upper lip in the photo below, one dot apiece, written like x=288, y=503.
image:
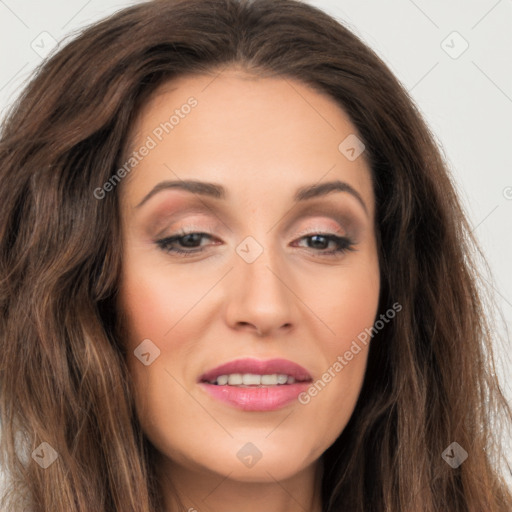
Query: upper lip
x=258, y=367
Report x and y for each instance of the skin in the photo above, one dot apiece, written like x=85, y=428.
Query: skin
x=261, y=138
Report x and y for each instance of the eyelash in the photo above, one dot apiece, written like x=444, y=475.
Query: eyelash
x=344, y=244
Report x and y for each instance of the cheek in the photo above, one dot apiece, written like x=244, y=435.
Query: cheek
x=146, y=302
x=154, y=310
x=349, y=304
x=348, y=307
x=156, y=301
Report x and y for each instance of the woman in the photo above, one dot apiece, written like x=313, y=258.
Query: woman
x=325, y=350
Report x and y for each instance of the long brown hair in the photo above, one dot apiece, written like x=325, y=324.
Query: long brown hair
x=430, y=377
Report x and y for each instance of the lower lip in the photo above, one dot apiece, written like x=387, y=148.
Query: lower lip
x=255, y=398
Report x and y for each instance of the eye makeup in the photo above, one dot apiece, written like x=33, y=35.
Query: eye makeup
x=172, y=211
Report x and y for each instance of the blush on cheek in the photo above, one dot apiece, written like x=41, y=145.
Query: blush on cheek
x=154, y=310
x=140, y=315
x=354, y=312
x=149, y=305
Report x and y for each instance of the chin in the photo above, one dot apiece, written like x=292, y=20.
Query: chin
x=260, y=460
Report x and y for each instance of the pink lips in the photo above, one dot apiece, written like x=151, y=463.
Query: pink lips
x=257, y=398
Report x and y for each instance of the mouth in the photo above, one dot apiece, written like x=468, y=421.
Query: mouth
x=254, y=385
x=252, y=379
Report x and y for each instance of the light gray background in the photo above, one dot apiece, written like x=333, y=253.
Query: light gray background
x=465, y=96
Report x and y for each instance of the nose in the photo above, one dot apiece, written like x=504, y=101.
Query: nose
x=260, y=297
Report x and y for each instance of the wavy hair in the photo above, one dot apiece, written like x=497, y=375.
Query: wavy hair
x=430, y=377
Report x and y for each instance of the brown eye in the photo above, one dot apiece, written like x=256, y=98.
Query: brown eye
x=320, y=241
x=186, y=240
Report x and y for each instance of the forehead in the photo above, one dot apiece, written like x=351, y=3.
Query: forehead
x=267, y=135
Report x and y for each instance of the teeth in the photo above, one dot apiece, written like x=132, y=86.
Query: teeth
x=222, y=380
x=235, y=379
x=270, y=380
x=282, y=379
x=251, y=379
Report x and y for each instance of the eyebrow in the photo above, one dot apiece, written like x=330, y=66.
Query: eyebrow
x=217, y=191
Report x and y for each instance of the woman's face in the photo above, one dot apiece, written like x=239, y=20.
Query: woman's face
x=262, y=289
